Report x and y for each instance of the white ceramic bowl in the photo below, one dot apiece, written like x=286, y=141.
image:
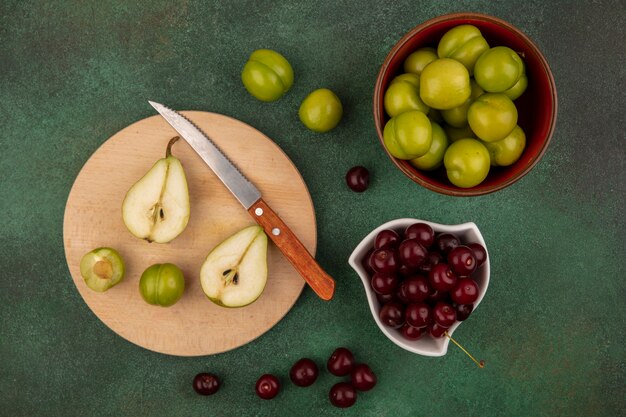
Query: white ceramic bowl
x=427, y=345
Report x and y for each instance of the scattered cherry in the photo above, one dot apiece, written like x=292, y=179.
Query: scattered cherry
x=206, y=384
x=386, y=239
x=384, y=283
x=392, y=314
x=413, y=333
x=267, y=386
x=422, y=232
x=342, y=395
x=358, y=179
x=418, y=315
x=340, y=362
x=412, y=253
x=465, y=291
x=304, y=372
x=362, y=377
x=442, y=278
x=413, y=289
x=463, y=311
x=384, y=260
x=462, y=261
x=445, y=242
x=444, y=314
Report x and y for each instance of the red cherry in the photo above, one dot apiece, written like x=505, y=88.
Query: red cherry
x=362, y=377
x=413, y=290
x=342, y=395
x=442, y=278
x=418, y=315
x=340, y=362
x=436, y=330
x=413, y=333
x=304, y=372
x=444, y=314
x=462, y=261
x=384, y=283
x=412, y=253
x=480, y=253
x=386, y=239
x=422, y=232
x=465, y=291
x=267, y=387
x=206, y=384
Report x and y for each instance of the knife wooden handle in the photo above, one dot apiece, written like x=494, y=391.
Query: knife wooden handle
x=293, y=249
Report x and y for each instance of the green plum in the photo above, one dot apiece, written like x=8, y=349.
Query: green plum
x=409, y=78
x=456, y=133
x=321, y=110
x=416, y=62
x=492, y=116
x=102, y=268
x=467, y=163
x=518, y=89
x=434, y=157
x=444, y=84
x=267, y=75
x=403, y=95
x=498, y=69
x=457, y=117
x=507, y=151
x=408, y=135
x=162, y=284
x=463, y=43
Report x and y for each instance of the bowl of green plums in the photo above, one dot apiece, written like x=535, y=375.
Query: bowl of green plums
x=465, y=104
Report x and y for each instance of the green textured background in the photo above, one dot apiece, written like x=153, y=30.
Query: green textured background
x=551, y=327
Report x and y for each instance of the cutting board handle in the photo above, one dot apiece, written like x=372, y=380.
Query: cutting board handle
x=293, y=249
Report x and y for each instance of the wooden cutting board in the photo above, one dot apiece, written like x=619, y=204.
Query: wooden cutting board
x=194, y=326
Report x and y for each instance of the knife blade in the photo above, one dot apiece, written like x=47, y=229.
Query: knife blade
x=250, y=198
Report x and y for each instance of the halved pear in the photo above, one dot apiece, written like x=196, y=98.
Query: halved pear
x=102, y=268
x=156, y=207
x=235, y=272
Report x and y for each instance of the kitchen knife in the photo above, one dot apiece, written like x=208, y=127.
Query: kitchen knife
x=250, y=198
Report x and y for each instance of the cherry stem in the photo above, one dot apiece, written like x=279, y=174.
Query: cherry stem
x=480, y=364
x=172, y=141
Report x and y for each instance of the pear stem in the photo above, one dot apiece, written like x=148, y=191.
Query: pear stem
x=480, y=364
x=168, y=151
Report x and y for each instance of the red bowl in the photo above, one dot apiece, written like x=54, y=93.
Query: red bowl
x=537, y=107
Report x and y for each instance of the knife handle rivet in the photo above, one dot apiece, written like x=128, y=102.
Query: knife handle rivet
x=258, y=211
x=276, y=231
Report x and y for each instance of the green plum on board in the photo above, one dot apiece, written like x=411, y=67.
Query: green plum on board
x=102, y=268
x=162, y=284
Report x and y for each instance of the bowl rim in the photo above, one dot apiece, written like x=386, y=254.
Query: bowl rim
x=379, y=115
x=364, y=245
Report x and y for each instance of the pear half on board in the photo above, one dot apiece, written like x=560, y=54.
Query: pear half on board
x=235, y=272
x=156, y=207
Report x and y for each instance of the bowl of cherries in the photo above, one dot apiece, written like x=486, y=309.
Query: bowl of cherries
x=422, y=280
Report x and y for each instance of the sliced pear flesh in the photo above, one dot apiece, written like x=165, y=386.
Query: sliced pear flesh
x=102, y=268
x=234, y=274
x=156, y=208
